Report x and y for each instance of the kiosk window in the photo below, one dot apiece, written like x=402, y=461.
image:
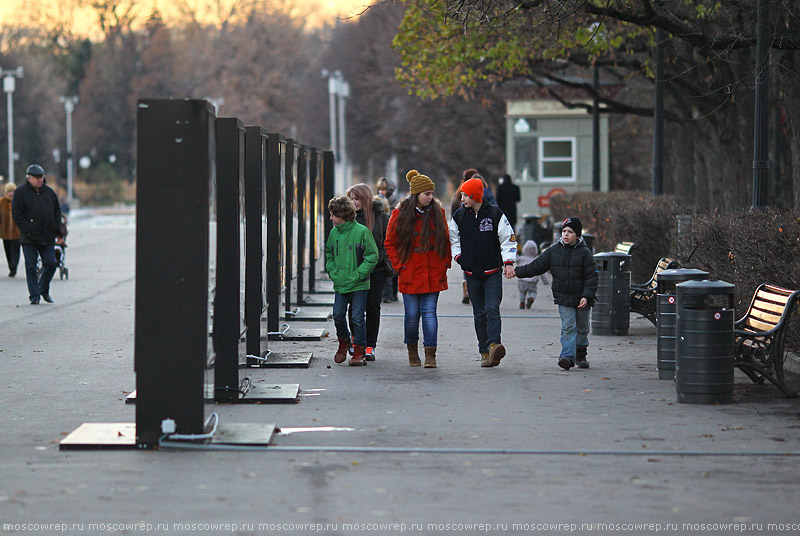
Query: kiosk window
x=557, y=161
x=525, y=158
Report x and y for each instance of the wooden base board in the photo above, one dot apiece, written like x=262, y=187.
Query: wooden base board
x=122, y=435
x=310, y=315
x=285, y=393
x=298, y=334
x=281, y=360
x=101, y=435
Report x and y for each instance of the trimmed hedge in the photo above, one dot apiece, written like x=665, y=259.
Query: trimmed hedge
x=626, y=216
x=743, y=248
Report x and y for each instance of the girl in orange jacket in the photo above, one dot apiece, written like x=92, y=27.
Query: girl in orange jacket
x=417, y=243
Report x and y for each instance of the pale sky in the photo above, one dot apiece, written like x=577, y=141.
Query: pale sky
x=327, y=9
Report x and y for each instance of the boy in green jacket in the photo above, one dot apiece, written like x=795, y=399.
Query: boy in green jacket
x=350, y=256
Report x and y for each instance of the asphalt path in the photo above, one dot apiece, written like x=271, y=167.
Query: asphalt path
x=383, y=449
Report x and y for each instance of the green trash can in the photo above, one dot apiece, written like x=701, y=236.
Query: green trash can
x=704, y=356
x=667, y=316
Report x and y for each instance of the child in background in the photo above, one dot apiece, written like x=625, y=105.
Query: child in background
x=527, y=286
x=350, y=256
x=370, y=214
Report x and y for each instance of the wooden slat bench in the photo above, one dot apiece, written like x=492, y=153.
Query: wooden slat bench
x=624, y=247
x=643, y=297
x=760, y=334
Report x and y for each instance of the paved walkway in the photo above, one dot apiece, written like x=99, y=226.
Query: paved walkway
x=522, y=448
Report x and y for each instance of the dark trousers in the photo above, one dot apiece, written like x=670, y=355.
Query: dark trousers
x=485, y=294
x=12, y=255
x=390, y=289
x=377, y=282
x=38, y=286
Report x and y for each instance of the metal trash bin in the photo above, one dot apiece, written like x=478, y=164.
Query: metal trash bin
x=588, y=238
x=612, y=309
x=704, y=356
x=666, y=314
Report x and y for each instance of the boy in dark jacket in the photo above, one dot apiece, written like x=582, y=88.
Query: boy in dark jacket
x=350, y=256
x=574, y=272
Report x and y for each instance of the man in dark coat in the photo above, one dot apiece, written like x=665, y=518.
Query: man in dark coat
x=507, y=198
x=37, y=213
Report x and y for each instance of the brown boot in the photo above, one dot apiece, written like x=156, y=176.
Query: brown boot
x=430, y=357
x=496, y=352
x=341, y=353
x=528, y=303
x=413, y=355
x=522, y=305
x=486, y=361
x=358, y=357
x=465, y=298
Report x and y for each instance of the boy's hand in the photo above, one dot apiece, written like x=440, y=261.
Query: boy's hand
x=508, y=271
x=582, y=303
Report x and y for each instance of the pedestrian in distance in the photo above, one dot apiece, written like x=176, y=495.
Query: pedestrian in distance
x=418, y=247
x=508, y=196
x=387, y=192
x=574, y=273
x=455, y=204
x=370, y=214
x=484, y=245
x=9, y=231
x=528, y=286
x=350, y=256
x=35, y=209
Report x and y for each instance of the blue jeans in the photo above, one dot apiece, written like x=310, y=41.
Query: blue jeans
x=423, y=306
x=36, y=286
x=574, y=329
x=485, y=294
x=358, y=305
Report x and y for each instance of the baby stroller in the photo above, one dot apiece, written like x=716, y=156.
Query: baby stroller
x=60, y=250
x=61, y=255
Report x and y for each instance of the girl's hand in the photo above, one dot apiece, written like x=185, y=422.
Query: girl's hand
x=582, y=303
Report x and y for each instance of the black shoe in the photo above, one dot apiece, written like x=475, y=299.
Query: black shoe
x=580, y=357
x=12, y=274
x=47, y=298
x=35, y=301
x=565, y=363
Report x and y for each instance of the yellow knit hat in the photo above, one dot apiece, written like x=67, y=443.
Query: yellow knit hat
x=419, y=183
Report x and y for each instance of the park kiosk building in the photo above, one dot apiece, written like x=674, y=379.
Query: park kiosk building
x=549, y=151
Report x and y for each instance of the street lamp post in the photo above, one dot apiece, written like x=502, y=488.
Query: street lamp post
x=338, y=91
x=344, y=93
x=332, y=110
x=9, y=85
x=761, y=161
x=69, y=107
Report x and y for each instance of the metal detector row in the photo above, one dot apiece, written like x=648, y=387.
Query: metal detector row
x=229, y=223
